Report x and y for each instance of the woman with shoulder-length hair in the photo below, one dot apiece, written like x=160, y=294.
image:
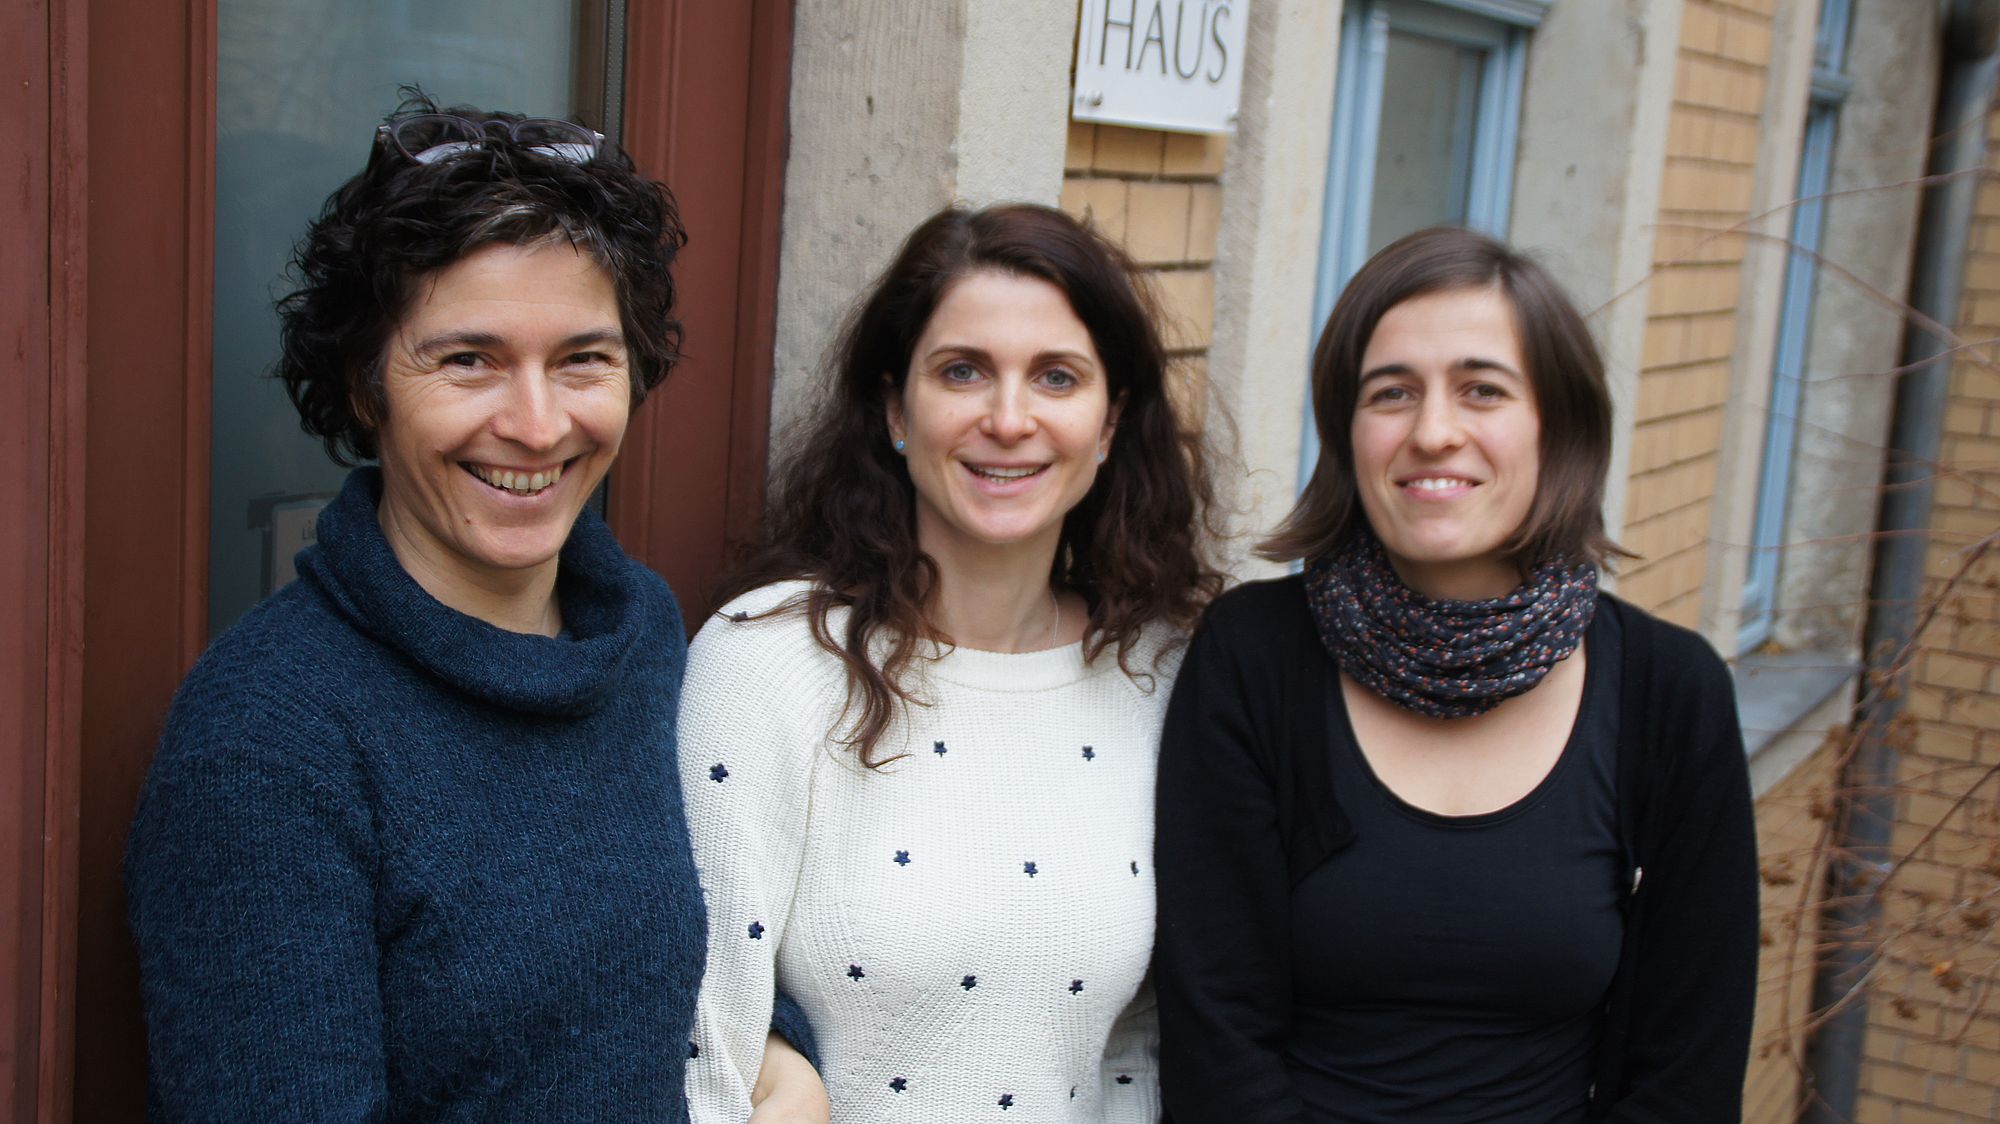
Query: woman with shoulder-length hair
x=1447, y=834
x=412, y=846
x=918, y=745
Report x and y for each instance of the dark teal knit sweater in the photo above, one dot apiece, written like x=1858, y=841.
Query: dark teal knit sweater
x=393, y=863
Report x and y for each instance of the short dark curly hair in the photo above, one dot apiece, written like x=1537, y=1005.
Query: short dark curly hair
x=382, y=232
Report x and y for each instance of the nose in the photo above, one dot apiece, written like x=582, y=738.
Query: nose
x=1010, y=415
x=1439, y=428
x=531, y=414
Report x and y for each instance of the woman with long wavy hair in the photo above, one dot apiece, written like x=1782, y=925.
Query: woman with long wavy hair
x=920, y=738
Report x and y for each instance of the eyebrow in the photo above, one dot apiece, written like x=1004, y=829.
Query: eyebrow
x=981, y=355
x=1468, y=363
x=452, y=341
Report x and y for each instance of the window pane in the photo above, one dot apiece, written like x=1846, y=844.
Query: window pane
x=1787, y=377
x=1423, y=159
x=300, y=86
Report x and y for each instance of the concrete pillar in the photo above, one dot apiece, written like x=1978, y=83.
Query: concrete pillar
x=1599, y=86
x=1267, y=257
x=898, y=109
x=1844, y=410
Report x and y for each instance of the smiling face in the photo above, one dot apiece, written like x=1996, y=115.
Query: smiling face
x=507, y=393
x=1447, y=441
x=1004, y=414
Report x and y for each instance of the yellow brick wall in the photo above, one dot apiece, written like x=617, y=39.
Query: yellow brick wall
x=1792, y=825
x=1933, y=1049
x=1713, y=132
x=1159, y=195
x=1933, y=1054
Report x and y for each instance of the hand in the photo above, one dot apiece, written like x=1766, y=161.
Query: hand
x=788, y=1089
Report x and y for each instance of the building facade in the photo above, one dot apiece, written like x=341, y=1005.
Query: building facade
x=1733, y=189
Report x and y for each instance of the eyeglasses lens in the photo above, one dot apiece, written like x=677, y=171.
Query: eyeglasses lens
x=431, y=137
x=558, y=140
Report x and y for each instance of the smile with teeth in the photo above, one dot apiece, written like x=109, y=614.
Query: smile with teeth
x=513, y=482
x=1438, y=483
x=994, y=472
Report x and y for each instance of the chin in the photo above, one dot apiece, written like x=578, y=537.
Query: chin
x=1001, y=531
x=1010, y=536
x=518, y=554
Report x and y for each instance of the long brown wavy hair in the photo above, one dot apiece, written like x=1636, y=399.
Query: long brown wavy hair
x=843, y=511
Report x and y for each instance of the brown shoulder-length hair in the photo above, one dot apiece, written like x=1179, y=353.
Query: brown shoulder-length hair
x=1566, y=519
x=843, y=512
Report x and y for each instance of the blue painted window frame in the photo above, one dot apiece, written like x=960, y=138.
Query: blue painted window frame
x=1774, y=477
x=1498, y=28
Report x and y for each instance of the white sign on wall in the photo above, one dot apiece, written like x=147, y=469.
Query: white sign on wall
x=1160, y=64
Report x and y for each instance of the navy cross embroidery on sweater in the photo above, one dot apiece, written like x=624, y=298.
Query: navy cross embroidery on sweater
x=902, y=858
x=1028, y=868
x=756, y=930
x=899, y=1083
x=1075, y=986
x=854, y=972
x=1006, y=1100
x=716, y=772
x=1089, y=754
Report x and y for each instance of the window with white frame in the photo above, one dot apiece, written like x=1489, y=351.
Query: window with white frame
x=1829, y=89
x=1427, y=111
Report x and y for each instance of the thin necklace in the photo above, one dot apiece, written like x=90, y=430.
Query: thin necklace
x=1055, y=629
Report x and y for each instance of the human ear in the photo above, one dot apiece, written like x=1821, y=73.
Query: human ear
x=1111, y=414
x=366, y=395
x=892, y=411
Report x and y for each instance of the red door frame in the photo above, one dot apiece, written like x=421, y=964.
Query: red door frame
x=151, y=161
x=706, y=103
x=103, y=603
x=42, y=418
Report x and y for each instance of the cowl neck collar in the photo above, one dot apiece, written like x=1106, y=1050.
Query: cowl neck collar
x=571, y=674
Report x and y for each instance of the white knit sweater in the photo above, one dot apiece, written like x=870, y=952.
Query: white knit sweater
x=969, y=927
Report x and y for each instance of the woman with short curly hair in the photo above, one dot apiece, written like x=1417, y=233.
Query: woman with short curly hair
x=918, y=744
x=412, y=846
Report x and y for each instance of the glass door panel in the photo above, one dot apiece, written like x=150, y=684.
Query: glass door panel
x=300, y=88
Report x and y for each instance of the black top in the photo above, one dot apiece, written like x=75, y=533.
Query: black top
x=1248, y=813
x=1469, y=988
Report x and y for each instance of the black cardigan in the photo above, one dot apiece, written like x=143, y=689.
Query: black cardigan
x=1247, y=809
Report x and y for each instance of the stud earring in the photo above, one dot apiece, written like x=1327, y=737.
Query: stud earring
x=1100, y=456
x=899, y=446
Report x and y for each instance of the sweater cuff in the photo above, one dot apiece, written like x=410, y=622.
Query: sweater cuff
x=789, y=1022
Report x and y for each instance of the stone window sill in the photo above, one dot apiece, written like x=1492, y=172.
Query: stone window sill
x=1776, y=694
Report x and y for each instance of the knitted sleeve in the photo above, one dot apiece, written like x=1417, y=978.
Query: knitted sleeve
x=249, y=881
x=747, y=755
